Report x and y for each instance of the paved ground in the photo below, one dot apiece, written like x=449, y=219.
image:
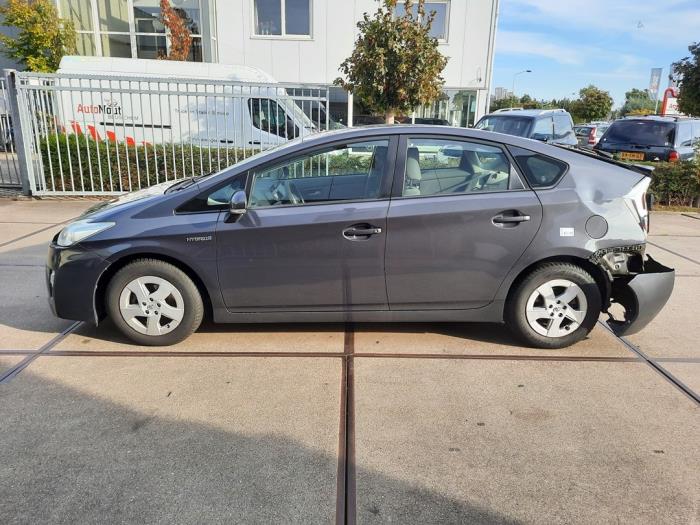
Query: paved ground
x=424, y=423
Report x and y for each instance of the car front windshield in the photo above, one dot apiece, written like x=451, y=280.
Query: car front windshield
x=640, y=132
x=518, y=126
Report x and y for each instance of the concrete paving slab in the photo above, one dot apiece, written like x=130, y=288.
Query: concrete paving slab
x=48, y=211
x=28, y=251
x=471, y=338
x=681, y=265
x=219, y=338
x=10, y=231
x=674, y=332
x=683, y=252
x=673, y=223
x=170, y=440
x=7, y=362
x=26, y=321
x=514, y=442
x=687, y=373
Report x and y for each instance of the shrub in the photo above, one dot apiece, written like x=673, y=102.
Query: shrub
x=676, y=183
x=78, y=163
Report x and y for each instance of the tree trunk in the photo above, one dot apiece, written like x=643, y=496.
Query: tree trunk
x=389, y=117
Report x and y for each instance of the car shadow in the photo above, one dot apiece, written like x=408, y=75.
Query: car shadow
x=491, y=333
x=73, y=457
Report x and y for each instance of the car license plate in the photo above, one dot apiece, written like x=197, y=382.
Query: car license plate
x=631, y=155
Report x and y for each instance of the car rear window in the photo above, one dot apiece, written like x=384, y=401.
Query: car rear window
x=582, y=131
x=540, y=170
x=641, y=132
x=518, y=126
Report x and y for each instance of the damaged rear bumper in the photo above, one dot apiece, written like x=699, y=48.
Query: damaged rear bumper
x=642, y=296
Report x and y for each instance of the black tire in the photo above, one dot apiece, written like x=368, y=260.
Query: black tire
x=193, y=306
x=515, y=311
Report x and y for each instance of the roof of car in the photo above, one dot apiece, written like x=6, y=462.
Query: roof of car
x=658, y=118
x=377, y=130
x=527, y=112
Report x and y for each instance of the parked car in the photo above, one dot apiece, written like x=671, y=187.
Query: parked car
x=652, y=138
x=588, y=135
x=545, y=125
x=370, y=224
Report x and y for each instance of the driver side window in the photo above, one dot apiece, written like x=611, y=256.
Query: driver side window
x=346, y=172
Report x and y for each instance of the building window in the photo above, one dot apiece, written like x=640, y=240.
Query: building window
x=133, y=29
x=282, y=18
x=442, y=14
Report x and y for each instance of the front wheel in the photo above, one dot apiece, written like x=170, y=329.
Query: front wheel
x=554, y=306
x=154, y=303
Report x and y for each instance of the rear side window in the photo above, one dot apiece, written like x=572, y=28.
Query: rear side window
x=685, y=134
x=543, y=129
x=562, y=126
x=539, y=170
x=443, y=166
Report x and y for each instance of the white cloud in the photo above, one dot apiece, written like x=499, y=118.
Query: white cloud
x=536, y=44
x=667, y=23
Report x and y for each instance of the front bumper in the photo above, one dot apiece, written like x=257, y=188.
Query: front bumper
x=642, y=296
x=72, y=275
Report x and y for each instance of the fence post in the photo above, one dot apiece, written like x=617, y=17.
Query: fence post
x=22, y=148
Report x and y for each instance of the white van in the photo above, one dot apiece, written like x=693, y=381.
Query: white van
x=159, y=101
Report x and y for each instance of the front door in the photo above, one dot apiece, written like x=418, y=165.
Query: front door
x=460, y=219
x=314, y=235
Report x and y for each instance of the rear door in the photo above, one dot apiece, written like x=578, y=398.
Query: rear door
x=459, y=219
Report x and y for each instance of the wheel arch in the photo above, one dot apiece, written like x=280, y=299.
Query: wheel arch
x=596, y=272
x=112, y=269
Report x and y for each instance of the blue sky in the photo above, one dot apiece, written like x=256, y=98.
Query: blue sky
x=569, y=44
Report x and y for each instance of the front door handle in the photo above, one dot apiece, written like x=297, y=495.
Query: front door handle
x=360, y=232
x=503, y=219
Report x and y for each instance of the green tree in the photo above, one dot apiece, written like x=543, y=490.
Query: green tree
x=501, y=103
x=688, y=69
x=593, y=104
x=42, y=37
x=396, y=64
x=638, y=102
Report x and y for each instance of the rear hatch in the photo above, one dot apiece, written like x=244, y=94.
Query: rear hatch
x=639, y=139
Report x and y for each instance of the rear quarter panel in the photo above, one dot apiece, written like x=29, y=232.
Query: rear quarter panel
x=589, y=188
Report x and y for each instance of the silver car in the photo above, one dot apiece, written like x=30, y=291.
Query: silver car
x=387, y=223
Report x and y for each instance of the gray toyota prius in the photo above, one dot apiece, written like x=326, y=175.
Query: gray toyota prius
x=387, y=223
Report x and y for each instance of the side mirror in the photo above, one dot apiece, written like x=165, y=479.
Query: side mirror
x=238, y=204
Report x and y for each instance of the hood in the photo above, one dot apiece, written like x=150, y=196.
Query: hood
x=145, y=193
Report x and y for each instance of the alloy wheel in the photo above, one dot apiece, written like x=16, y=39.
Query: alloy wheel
x=151, y=305
x=556, y=308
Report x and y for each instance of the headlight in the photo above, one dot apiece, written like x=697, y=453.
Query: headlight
x=79, y=230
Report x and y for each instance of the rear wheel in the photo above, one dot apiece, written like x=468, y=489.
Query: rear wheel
x=154, y=303
x=554, y=306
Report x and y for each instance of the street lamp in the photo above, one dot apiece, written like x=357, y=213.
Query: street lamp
x=514, y=77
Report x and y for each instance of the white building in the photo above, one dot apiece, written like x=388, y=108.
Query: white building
x=296, y=41
x=500, y=93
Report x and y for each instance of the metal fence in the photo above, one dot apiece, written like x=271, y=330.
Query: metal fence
x=110, y=134
x=9, y=166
